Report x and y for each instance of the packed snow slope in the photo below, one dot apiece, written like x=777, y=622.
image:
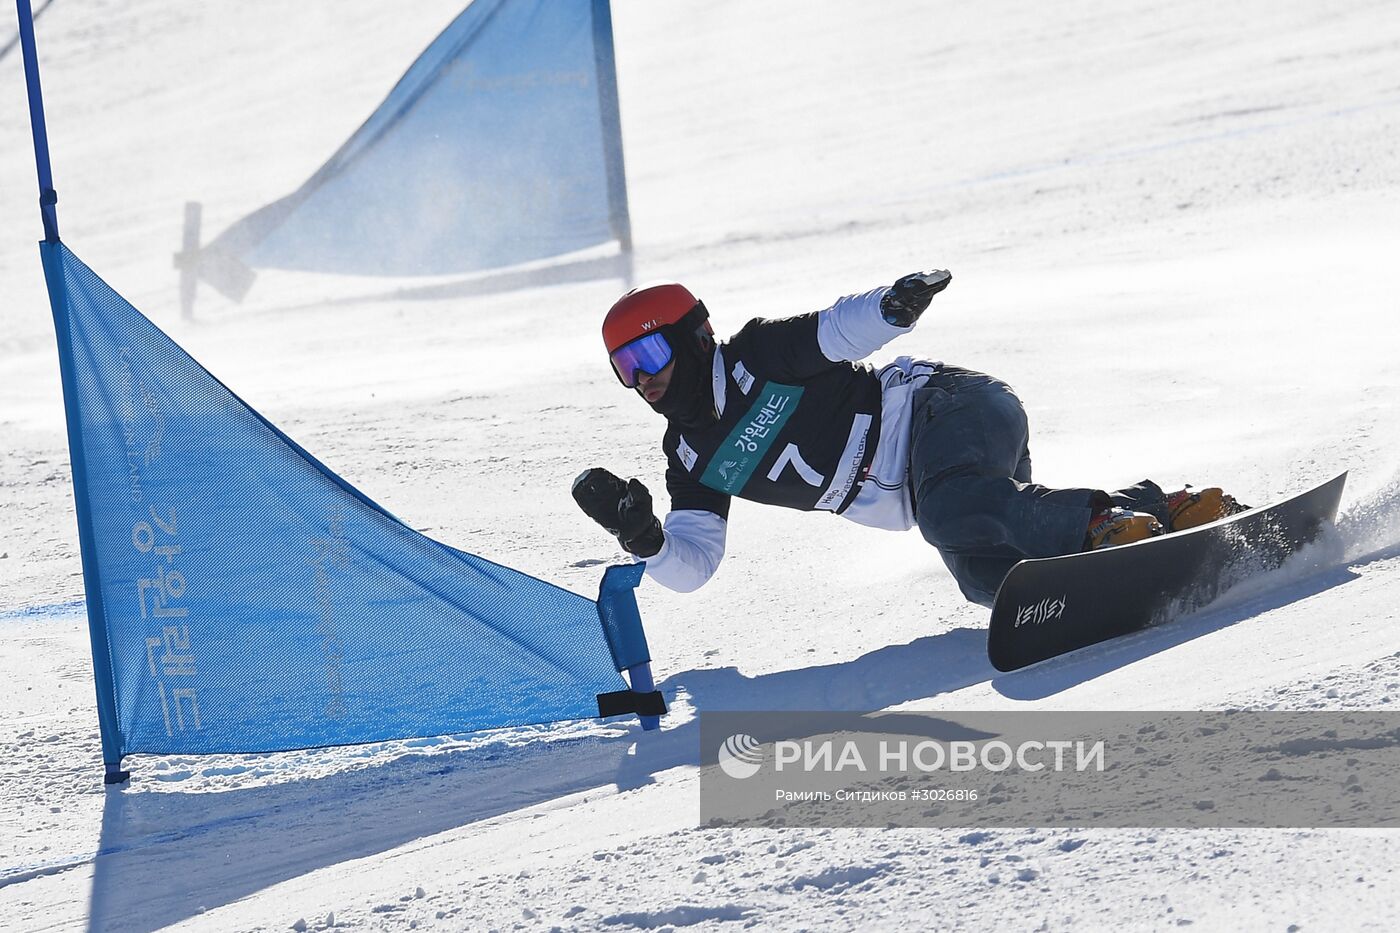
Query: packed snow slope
x=1173, y=229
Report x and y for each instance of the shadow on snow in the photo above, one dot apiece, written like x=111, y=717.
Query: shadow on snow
x=167, y=856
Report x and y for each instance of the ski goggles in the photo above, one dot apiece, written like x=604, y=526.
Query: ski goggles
x=647, y=354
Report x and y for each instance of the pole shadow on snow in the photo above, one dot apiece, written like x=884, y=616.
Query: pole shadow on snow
x=164, y=857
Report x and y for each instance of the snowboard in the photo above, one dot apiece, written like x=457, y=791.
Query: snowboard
x=1055, y=605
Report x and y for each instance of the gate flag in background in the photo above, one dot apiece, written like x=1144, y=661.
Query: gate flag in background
x=500, y=145
x=244, y=598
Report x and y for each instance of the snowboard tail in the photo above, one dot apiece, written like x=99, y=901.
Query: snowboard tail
x=1055, y=605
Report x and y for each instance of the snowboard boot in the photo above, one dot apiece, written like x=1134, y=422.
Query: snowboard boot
x=1189, y=508
x=1115, y=525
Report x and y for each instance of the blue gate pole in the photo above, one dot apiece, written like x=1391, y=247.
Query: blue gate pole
x=108, y=724
x=52, y=251
x=639, y=678
x=48, y=198
x=605, y=62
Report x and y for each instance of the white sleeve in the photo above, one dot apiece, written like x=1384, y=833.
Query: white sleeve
x=852, y=329
x=693, y=548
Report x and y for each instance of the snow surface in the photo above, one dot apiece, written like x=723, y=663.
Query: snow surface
x=1173, y=229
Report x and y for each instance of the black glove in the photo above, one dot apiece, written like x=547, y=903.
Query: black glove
x=908, y=297
x=624, y=509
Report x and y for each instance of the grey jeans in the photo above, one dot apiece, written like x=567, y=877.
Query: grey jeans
x=970, y=471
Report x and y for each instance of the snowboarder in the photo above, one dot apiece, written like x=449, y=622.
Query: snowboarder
x=783, y=413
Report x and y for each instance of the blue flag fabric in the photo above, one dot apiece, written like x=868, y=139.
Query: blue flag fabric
x=245, y=598
x=501, y=144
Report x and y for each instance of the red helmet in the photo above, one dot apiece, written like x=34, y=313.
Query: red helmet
x=658, y=321
x=649, y=308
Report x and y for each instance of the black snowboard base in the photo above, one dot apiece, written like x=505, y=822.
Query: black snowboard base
x=1056, y=605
